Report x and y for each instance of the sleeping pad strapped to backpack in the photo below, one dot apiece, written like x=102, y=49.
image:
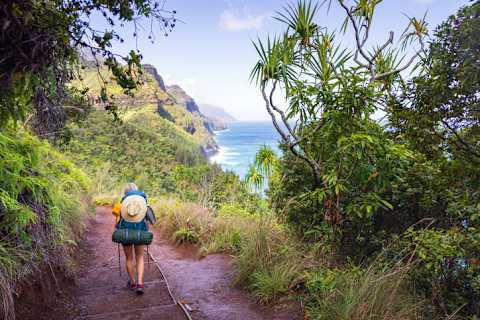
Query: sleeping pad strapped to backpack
x=132, y=227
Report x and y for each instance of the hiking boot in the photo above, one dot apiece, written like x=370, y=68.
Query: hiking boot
x=131, y=286
x=139, y=289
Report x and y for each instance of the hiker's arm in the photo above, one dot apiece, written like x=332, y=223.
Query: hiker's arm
x=116, y=211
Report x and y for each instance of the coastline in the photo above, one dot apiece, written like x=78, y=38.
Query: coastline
x=211, y=149
x=239, y=143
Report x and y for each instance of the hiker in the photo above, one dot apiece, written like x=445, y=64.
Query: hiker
x=131, y=213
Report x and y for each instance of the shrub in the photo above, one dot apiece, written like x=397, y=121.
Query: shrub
x=185, y=235
x=40, y=209
x=174, y=215
x=270, y=284
x=230, y=209
x=447, y=270
x=227, y=234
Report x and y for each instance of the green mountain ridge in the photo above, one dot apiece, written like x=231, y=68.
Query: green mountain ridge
x=172, y=103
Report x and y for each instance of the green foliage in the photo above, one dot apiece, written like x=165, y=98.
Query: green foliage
x=438, y=118
x=184, y=235
x=213, y=188
x=153, y=145
x=448, y=268
x=225, y=237
x=222, y=232
x=264, y=165
x=41, y=41
x=438, y=111
x=269, y=260
x=270, y=284
x=355, y=185
x=234, y=209
x=40, y=208
x=355, y=293
x=351, y=159
x=254, y=178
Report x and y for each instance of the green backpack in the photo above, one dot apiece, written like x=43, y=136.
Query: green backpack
x=132, y=236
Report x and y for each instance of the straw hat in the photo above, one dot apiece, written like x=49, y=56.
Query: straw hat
x=134, y=208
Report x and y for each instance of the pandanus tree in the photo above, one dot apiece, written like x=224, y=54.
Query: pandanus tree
x=262, y=168
x=328, y=96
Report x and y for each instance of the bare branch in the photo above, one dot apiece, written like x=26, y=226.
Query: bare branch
x=291, y=145
x=384, y=46
x=357, y=33
x=370, y=58
x=465, y=145
x=279, y=111
x=73, y=108
x=395, y=71
x=284, y=136
x=317, y=127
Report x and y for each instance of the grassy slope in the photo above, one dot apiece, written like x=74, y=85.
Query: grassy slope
x=92, y=78
x=144, y=148
x=148, y=93
x=40, y=210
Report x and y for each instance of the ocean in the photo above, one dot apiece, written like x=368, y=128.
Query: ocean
x=240, y=142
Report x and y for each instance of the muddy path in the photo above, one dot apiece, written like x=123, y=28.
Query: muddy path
x=203, y=285
x=101, y=291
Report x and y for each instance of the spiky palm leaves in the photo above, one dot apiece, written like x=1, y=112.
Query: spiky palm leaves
x=262, y=168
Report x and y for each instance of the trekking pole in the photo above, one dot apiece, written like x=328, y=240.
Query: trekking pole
x=119, y=264
x=148, y=259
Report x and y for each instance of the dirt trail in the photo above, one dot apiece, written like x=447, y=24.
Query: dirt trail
x=102, y=293
x=204, y=285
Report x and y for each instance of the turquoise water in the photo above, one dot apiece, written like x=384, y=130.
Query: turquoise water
x=240, y=142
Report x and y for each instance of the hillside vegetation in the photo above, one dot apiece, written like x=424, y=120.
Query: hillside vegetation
x=175, y=106
x=41, y=213
x=144, y=147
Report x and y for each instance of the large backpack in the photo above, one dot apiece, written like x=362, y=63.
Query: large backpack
x=136, y=233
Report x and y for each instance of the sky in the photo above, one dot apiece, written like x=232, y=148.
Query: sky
x=210, y=54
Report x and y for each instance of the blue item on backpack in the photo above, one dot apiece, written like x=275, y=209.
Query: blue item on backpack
x=134, y=193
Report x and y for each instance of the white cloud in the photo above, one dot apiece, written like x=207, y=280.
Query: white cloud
x=233, y=20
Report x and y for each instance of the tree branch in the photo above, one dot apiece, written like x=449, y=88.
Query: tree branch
x=357, y=33
x=291, y=145
x=370, y=65
x=466, y=146
x=282, y=114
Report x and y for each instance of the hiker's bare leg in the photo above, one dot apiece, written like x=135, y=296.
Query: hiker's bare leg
x=139, y=251
x=129, y=262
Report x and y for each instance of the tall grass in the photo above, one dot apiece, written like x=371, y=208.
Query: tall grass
x=365, y=294
x=272, y=263
x=265, y=256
